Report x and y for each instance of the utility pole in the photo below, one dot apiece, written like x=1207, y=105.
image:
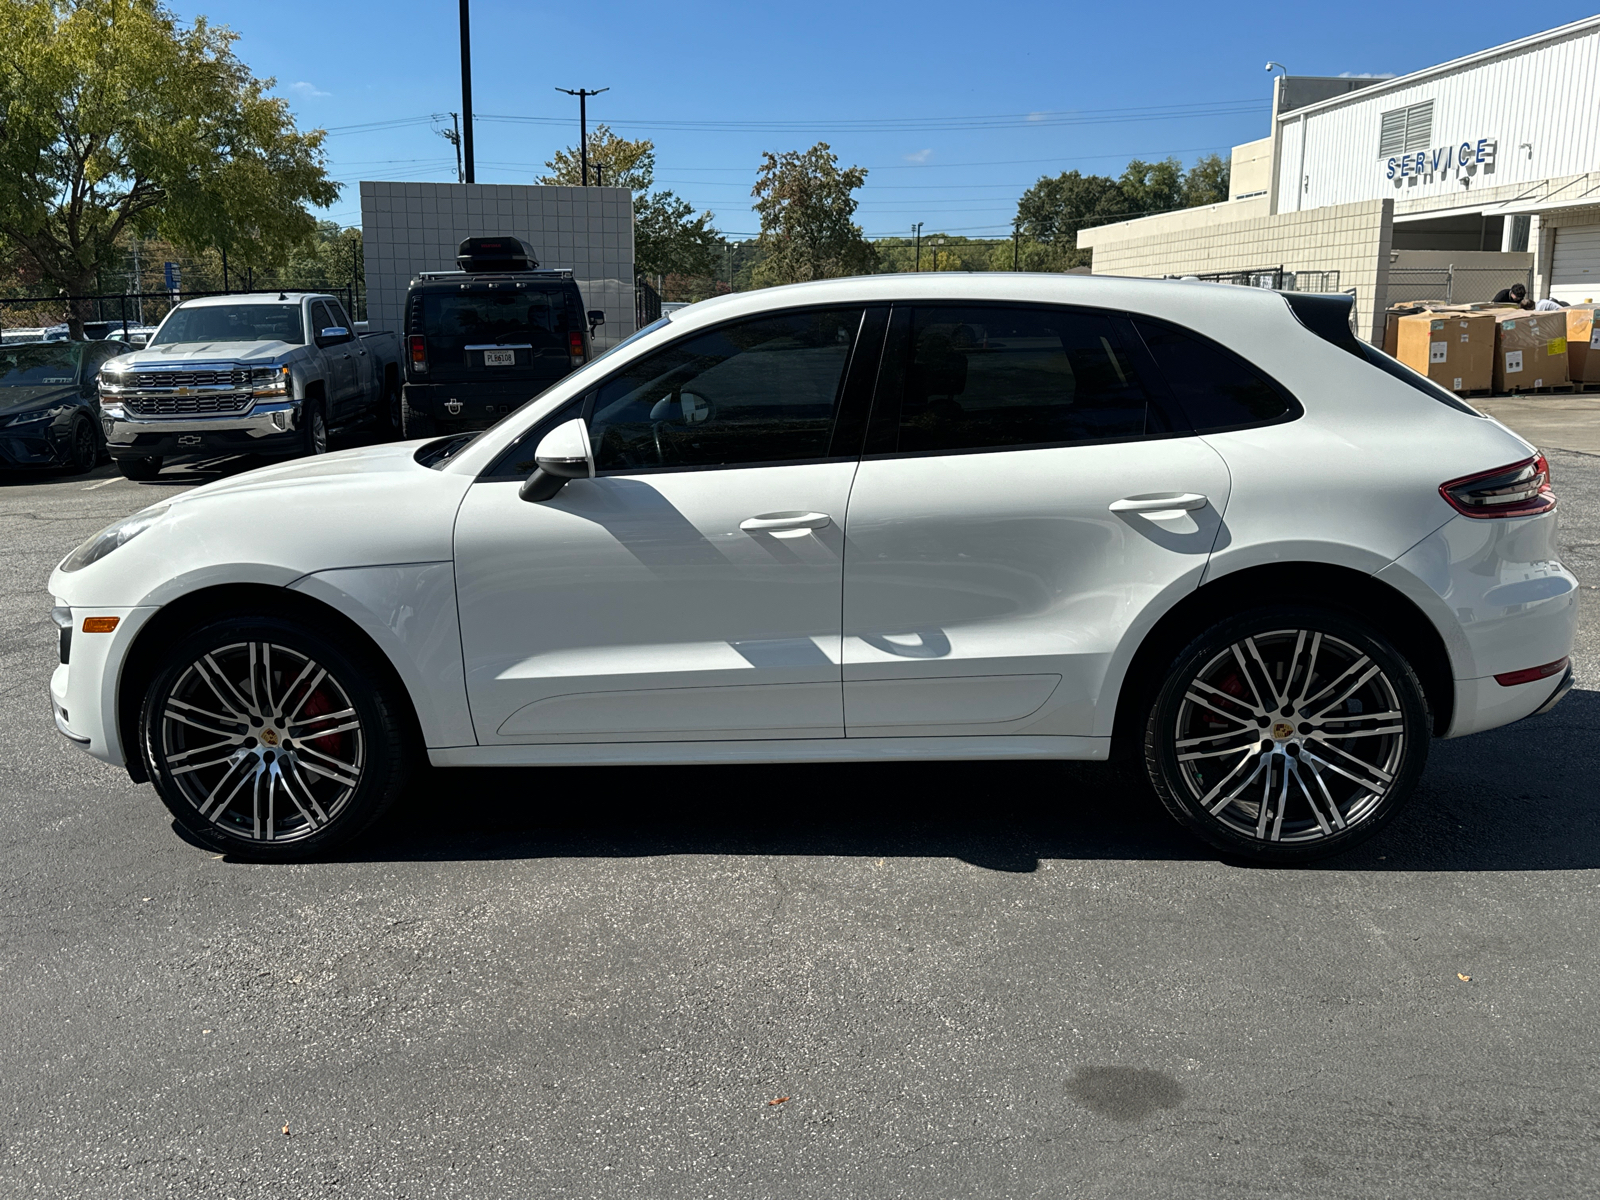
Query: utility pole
x=917, y=231
x=937, y=242
x=599, y=175
x=453, y=136
x=583, y=95
x=466, y=92
x=1016, y=247
x=138, y=278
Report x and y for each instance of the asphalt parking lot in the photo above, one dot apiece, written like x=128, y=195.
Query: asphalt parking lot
x=834, y=981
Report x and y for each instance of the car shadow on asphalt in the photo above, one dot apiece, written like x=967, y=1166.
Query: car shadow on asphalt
x=1518, y=798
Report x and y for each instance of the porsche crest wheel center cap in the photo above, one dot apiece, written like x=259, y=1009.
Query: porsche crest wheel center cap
x=1282, y=731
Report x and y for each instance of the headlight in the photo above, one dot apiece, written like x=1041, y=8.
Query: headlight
x=269, y=381
x=112, y=536
x=32, y=418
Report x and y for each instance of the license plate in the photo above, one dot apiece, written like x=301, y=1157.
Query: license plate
x=499, y=358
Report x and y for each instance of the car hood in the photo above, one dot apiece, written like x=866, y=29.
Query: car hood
x=208, y=352
x=359, y=508
x=20, y=399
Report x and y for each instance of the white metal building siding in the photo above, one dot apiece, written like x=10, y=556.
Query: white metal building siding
x=1575, y=265
x=1543, y=90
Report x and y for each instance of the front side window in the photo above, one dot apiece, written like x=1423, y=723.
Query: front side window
x=232, y=323
x=759, y=391
x=991, y=377
x=1215, y=388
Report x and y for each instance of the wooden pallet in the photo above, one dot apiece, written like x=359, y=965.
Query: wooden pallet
x=1587, y=387
x=1475, y=394
x=1560, y=389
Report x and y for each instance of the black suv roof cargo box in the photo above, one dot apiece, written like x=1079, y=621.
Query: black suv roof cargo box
x=496, y=254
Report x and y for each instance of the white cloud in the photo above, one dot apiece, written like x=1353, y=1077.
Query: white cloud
x=1366, y=75
x=920, y=156
x=1038, y=116
x=307, y=91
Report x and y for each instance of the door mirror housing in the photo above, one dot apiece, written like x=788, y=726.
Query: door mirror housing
x=564, y=453
x=333, y=335
x=597, y=316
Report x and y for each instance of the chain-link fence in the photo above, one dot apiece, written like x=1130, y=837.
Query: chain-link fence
x=1276, y=278
x=1453, y=285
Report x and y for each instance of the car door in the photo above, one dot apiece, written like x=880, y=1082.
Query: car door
x=1028, y=490
x=362, y=388
x=340, y=378
x=690, y=590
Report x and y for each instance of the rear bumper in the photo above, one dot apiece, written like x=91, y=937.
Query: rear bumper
x=264, y=429
x=472, y=405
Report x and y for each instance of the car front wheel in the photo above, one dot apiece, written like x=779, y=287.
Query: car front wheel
x=1287, y=733
x=266, y=739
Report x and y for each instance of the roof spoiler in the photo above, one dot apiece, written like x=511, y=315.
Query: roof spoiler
x=1327, y=315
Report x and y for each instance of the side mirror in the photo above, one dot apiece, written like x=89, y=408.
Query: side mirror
x=563, y=454
x=332, y=335
x=597, y=316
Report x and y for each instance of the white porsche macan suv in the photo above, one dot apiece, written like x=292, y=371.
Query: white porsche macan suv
x=900, y=517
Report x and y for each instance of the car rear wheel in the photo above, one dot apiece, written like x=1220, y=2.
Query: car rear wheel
x=1287, y=733
x=266, y=739
x=140, y=466
x=391, y=420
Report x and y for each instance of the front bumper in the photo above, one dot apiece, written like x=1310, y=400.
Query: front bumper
x=268, y=427
x=83, y=690
x=37, y=444
x=471, y=404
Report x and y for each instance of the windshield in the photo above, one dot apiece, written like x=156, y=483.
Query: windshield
x=232, y=323
x=39, y=365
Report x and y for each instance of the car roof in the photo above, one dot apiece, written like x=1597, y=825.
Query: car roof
x=253, y=298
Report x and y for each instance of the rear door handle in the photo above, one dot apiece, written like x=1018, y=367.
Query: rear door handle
x=1171, y=502
x=775, y=522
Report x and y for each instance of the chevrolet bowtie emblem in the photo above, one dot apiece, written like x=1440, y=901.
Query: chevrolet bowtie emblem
x=183, y=391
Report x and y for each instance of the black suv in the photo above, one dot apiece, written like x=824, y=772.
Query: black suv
x=485, y=339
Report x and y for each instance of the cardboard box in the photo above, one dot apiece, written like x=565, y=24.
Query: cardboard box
x=1391, y=326
x=1454, y=349
x=1530, y=350
x=1583, y=344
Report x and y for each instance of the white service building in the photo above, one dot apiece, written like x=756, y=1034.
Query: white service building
x=1451, y=182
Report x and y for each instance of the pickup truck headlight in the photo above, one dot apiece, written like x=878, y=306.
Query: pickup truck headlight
x=112, y=536
x=269, y=381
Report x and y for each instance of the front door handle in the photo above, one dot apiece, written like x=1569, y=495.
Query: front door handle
x=776, y=522
x=1170, y=502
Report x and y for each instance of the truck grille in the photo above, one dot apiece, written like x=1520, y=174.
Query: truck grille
x=172, y=406
x=238, y=377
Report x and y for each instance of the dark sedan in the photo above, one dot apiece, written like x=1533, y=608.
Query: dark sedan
x=49, y=408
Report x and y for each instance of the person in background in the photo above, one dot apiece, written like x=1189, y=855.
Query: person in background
x=1550, y=304
x=1515, y=294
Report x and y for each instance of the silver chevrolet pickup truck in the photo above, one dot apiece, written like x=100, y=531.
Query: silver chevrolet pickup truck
x=269, y=374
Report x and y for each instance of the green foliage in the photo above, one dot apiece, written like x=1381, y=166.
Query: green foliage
x=116, y=118
x=1207, y=181
x=806, y=206
x=1055, y=209
x=621, y=163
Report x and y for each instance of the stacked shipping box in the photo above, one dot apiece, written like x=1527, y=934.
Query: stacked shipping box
x=1478, y=348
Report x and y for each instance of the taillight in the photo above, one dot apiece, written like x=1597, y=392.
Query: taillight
x=575, y=347
x=419, y=352
x=1532, y=674
x=1520, y=490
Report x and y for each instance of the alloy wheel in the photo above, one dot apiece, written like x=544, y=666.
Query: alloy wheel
x=1290, y=736
x=262, y=742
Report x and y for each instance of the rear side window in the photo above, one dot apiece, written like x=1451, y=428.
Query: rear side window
x=534, y=317
x=1215, y=387
x=986, y=377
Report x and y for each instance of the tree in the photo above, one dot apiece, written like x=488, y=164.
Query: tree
x=1151, y=187
x=620, y=163
x=1207, y=181
x=668, y=237
x=115, y=118
x=806, y=206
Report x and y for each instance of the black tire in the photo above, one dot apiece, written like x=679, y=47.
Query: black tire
x=139, y=467
x=314, y=427
x=390, y=420
x=84, y=453
x=414, y=424
x=1287, y=733
x=289, y=769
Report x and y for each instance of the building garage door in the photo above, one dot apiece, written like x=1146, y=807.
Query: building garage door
x=1575, y=264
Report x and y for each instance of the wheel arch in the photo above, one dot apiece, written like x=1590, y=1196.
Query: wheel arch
x=190, y=611
x=1354, y=593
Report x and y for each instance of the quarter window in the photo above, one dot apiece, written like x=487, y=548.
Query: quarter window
x=760, y=391
x=1215, y=388
x=989, y=377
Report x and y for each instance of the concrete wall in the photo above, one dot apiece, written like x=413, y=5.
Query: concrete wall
x=1250, y=169
x=411, y=227
x=1353, y=239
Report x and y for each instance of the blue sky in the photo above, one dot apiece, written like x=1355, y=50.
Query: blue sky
x=956, y=109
